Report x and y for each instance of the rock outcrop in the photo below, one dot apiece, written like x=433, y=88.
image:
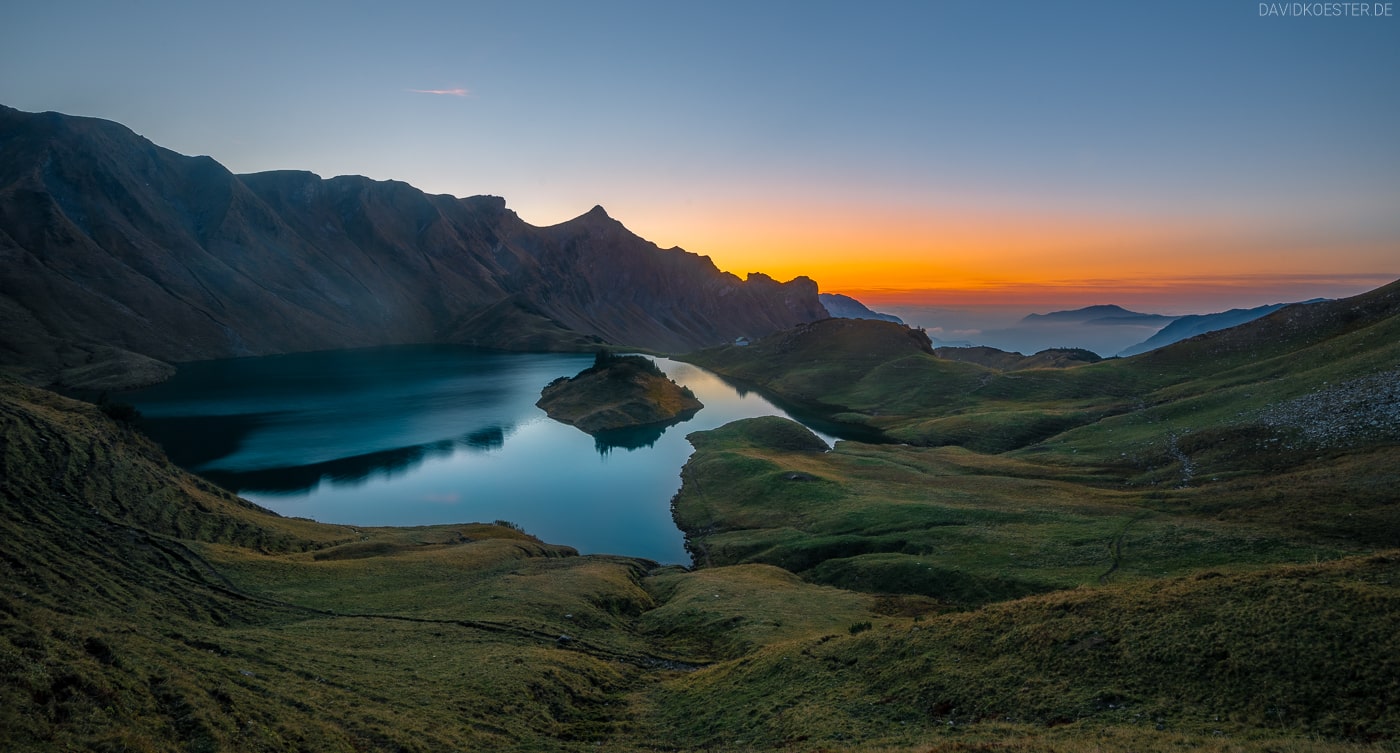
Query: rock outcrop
x=624, y=392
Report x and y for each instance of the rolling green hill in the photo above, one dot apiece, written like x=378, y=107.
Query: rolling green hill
x=884, y=376
x=1246, y=456
x=1191, y=549
x=958, y=527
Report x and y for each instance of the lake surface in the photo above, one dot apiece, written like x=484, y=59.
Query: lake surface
x=420, y=435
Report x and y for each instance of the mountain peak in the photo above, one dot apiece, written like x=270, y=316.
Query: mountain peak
x=1100, y=311
x=597, y=216
x=846, y=307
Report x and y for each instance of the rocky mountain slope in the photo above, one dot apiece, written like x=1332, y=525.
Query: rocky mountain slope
x=117, y=251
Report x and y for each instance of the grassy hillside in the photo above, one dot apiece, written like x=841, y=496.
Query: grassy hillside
x=1237, y=464
x=145, y=610
x=881, y=375
x=1205, y=662
x=886, y=376
x=1269, y=442
x=1192, y=549
x=958, y=527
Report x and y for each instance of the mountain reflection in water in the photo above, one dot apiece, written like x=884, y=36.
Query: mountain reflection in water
x=420, y=435
x=353, y=470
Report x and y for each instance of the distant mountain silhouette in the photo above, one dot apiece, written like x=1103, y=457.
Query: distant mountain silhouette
x=846, y=307
x=117, y=251
x=1102, y=314
x=1199, y=324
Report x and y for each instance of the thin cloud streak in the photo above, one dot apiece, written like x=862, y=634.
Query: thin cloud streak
x=458, y=92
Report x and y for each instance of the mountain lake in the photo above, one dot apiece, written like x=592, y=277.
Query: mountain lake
x=422, y=435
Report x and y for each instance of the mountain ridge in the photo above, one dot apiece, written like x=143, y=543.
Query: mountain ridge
x=1199, y=324
x=113, y=242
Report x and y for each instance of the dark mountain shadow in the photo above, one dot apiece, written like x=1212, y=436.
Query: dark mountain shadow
x=192, y=441
x=356, y=470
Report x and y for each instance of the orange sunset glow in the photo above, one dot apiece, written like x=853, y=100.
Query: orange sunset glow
x=901, y=256
x=1197, y=158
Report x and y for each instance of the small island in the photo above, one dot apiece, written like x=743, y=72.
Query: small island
x=618, y=392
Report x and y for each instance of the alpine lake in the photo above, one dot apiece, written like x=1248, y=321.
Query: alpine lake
x=434, y=434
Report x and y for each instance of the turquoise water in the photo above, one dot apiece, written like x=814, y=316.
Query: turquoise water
x=421, y=435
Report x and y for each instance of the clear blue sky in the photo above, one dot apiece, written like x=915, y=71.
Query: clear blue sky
x=757, y=132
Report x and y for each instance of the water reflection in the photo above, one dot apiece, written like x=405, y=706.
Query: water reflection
x=433, y=434
x=637, y=437
x=355, y=470
x=195, y=441
x=490, y=438
x=271, y=424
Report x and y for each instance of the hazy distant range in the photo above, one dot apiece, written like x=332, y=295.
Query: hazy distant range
x=1107, y=330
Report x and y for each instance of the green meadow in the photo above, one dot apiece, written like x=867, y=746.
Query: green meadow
x=1197, y=548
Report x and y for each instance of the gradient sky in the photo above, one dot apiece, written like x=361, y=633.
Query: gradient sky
x=1173, y=156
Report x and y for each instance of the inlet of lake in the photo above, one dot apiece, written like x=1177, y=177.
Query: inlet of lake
x=421, y=435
